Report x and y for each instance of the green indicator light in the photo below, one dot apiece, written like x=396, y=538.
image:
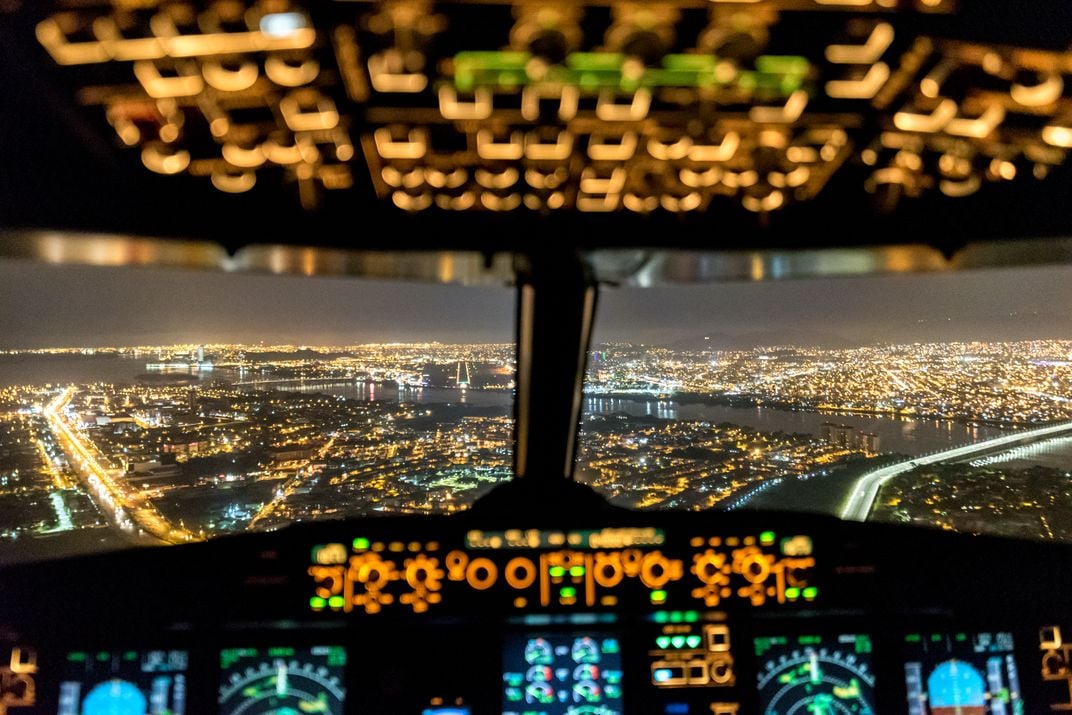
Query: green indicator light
x=660, y=616
x=692, y=616
x=557, y=571
x=663, y=641
x=783, y=64
x=678, y=641
x=595, y=61
x=337, y=656
x=660, y=597
x=102, y=656
x=792, y=593
x=766, y=538
x=568, y=592
x=913, y=638
x=675, y=616
x=693, y=63
x=863, y=644
x=230, y=656
x=130, y=655
x=317, y=603
x=280, y=652
x=576, y=571
x=694, y=641
x=809, y=640
x=360, y=544
x=936, y=638
x=810, y=592
x=477, y=60
x=610, y=645
x=336, y=601
x=961, y=637
x=78, y=657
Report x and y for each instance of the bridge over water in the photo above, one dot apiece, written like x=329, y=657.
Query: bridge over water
x=857, y=506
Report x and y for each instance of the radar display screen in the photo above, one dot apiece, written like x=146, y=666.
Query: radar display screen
x=815, y=674
x=124, y=683
x=270, y=681
x=962, y=674
x=562, y=674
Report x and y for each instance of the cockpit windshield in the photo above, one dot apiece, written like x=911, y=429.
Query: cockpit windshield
x=931, y=399
x=153, y=405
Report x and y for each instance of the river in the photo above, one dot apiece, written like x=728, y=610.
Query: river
x=904, y=436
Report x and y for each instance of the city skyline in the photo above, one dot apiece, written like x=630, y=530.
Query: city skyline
x=157, y=306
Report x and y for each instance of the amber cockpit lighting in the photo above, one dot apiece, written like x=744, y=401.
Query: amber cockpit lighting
x=545, y=106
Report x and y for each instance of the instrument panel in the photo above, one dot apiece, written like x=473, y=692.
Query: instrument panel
x=673, y=614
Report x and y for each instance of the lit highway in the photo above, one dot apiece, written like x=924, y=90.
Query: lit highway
x=865, y=490
x=300, y=477
x=128, y=509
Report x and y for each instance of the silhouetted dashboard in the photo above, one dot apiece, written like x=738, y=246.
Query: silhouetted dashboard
x=659, y=613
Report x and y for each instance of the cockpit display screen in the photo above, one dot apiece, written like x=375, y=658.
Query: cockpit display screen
x=816, y=674
x=561, y=673
x=266, y=681
x=970, y=673
x=124, y=683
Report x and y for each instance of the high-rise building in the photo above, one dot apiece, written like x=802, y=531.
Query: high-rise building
x=869, y=442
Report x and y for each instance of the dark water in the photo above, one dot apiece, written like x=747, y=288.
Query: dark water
x=904, y=436
x=366, y=392
x=64, y=369
x=111, y=368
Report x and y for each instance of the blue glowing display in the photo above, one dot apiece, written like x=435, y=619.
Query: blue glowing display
x=562, y=673
x=956, y=683
x=962, y=673
x=114, y=697
x=124, y=683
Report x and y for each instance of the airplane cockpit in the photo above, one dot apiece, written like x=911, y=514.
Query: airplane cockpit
x=480, y=357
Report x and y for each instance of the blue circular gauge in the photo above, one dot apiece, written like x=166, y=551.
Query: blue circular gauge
x=539, y=652
x=585, y=650
x=115, y=697
x=956, y=683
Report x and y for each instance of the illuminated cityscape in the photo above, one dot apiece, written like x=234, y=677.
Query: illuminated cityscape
x=208, y=440
x=186, y=442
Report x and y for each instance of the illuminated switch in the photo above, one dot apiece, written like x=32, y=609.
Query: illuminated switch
x=717, y=636
x=610, y=110
x=479, y=106
x=696, y=672
x=665, y=674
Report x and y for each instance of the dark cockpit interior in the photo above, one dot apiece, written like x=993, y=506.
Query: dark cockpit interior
x=460, y=357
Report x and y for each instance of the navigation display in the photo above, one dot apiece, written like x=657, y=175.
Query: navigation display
x=269, y=681
x=815, y=674
x=962, y=673
x=124, y=683
x=562, y=673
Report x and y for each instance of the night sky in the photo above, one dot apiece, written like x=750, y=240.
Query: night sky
x=995, y=304
x=83, y=306
x=86, y=306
